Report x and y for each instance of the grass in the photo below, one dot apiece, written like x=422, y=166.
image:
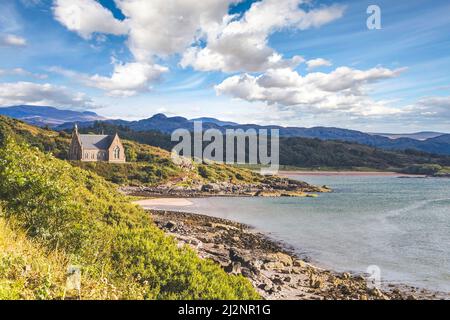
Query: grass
x=78, y=215
x=147, y=165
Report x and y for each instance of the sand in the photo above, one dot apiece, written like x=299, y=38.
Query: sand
x=170, y=202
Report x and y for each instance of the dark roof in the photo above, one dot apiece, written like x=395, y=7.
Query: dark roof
x=96, y=142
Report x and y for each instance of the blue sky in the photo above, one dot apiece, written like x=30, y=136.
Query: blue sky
x=289, y=62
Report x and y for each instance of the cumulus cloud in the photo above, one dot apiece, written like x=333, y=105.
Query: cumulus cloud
x=87, y=17
x=161, y=27
x=340, y=90
x=319, y=62
x=42, y=94
x=22, y=72
x=11, y=40
x=127, y=79
x=203, y=32
x=242, y=44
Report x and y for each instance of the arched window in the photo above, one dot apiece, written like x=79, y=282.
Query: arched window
x=116, y=153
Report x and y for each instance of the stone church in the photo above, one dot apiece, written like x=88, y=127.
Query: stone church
x=94, y=148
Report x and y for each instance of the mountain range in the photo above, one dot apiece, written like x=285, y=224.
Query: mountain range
x=430, y=142
x=48, y=116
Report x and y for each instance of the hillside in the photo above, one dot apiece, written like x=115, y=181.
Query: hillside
x=430, y=142
x=306, y=152
x=164, y=124
x=60, y=215
x=147, y=165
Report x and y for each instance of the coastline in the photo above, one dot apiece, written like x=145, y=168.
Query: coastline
x=274, y=270
x=286, y=173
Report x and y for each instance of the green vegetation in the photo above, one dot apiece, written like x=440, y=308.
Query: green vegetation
x=67, y=215
x=428, y=169
x=147, y=165
x=309, y=153
x=315, y=153
x=28, y=271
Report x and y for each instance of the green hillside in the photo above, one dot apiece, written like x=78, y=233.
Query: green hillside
x=307, y=153
x=147, y=165
x=58, y=215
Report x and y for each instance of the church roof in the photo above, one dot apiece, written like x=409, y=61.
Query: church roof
x=96, y=142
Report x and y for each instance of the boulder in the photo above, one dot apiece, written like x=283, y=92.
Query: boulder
x=283, y=258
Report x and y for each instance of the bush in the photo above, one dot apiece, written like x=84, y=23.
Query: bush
x=73, y=210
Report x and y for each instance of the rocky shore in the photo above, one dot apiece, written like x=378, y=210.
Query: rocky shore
x=269, y=187
x=274, y=271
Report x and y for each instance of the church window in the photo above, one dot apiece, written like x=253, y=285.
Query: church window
x=116, y=153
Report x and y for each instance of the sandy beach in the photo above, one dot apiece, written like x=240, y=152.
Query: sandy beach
x=157, y=202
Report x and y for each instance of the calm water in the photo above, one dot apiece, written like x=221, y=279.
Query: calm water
x=401, y=225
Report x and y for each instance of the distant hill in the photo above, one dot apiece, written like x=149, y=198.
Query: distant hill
x=430, y=142
x=47, y=116
x=416, y=136
x=304, y=152
x=166, y=125
x=216, y=121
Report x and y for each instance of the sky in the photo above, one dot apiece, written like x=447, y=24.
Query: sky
x=288, y=62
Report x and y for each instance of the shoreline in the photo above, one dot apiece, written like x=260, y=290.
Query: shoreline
x=286, y=173
x=273, y=268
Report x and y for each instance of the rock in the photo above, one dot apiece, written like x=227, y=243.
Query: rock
x=344, y=289
x=376, y=293
x=247, y=273
x=277, y=281
x=275, y=265
x=242, y=257
x=287, y=279
x=315, y=282
x=170, y=225
x=266, y=287
x=346, y=275
x=283, y=258
x=234, y=268
x=299, y=263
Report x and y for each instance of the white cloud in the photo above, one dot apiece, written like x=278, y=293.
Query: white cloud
x=319, y=62
x=127, y=79
x=242, y=44
x=341, y=90
x=12, y=40
x=42, y=94
x=22, y=72
x=87, y=17
x=431, y=107
x=162, y=27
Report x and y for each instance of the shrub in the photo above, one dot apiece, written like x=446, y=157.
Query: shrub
x=76, y=211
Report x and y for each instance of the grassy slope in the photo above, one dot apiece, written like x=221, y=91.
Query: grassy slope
x=147, y=165
x=82, y=217
x=27, y=271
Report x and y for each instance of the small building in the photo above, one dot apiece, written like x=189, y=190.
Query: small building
x=95, y=148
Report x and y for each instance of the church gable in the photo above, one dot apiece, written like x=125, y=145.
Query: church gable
x=116, y=150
